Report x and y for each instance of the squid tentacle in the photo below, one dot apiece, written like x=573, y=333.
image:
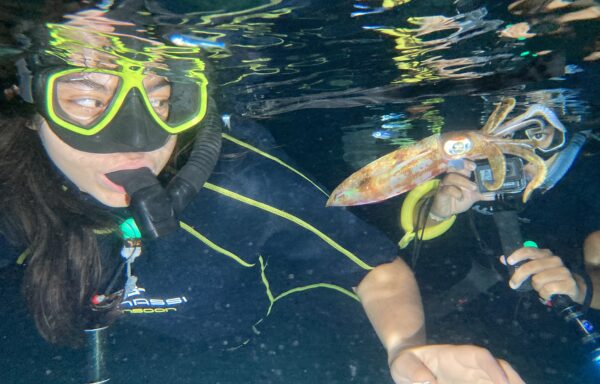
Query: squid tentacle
x=508, y=130
x=548, y=115
x=540, y=169
x=539, y=110
x=495, y=157
x=498, y=116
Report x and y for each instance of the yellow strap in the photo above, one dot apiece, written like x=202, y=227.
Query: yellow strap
x=23, y=256
x=407, y=215
x=271, y=157
x=290, y=217
x=188, y=228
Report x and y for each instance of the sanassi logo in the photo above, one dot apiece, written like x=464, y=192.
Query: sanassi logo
x=143, y=305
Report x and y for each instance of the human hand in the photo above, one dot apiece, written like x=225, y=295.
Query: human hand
x=451, y=364
x=548, y=274
x=457, y=193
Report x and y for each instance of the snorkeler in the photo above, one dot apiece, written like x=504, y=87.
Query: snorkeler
x=107, y=113
x=549, y=276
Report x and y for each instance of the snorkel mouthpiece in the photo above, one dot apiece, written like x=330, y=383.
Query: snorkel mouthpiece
x=149, y=201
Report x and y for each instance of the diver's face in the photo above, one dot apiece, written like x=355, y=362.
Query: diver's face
x=88, y=170
x=83, y=98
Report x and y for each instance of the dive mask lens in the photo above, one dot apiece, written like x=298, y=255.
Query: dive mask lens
x=187, y=106
x=86, y=102
x=82, y=100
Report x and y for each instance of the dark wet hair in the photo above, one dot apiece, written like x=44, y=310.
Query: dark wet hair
x=64, y=266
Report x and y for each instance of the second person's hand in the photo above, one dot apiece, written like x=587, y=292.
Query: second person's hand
x=549, y=276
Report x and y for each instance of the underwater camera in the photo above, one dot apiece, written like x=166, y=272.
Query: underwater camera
x=514, y=182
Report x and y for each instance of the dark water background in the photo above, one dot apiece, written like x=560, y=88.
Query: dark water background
x=322, y=82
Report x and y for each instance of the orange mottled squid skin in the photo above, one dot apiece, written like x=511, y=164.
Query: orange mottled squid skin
x=405, y=168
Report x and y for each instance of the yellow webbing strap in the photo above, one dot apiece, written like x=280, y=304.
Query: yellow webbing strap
x=271, y=157
x=407, y=215
x=290, y=217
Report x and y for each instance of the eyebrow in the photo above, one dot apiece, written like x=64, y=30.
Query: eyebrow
x=85, y=82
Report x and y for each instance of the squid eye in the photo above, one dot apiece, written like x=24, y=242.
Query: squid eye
x=458, y=147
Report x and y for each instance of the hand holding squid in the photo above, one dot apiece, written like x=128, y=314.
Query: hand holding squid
x=457, y=193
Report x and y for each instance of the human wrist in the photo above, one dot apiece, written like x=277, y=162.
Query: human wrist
x=436, y=217
x=398, y=350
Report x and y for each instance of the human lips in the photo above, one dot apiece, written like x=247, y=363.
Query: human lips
x=112, y=186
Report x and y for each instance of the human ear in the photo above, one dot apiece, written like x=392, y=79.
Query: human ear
x=11, y=92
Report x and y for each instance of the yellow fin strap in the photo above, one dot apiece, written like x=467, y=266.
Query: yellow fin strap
x=407, y=214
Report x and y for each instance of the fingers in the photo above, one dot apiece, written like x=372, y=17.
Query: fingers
x=533, y=268
x=451, y=191
x=488, y=363
x=409, y=369
x=564, y=285
x=457, y=193
x=459, y=181
x=460, y=178
x=452, y=364
x=486, y=196
x=511, y=374
x=527, y=253
x=548, y=274
x=468, y=167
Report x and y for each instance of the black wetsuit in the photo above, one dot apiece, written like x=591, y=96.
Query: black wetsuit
x=257, y=239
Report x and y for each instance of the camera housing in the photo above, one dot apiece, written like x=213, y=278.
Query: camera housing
x=514, y=182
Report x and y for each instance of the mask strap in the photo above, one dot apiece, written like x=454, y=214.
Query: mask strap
x=25, y=81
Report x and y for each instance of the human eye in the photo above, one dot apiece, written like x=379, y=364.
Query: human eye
x=88, y=102
x=160, y=105
x=82, y=109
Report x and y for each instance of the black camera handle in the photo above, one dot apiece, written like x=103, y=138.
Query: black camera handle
x=507, y=224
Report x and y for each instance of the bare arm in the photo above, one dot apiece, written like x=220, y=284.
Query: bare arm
x=391, y=299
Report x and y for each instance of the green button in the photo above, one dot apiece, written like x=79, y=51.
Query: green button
x=530, y=244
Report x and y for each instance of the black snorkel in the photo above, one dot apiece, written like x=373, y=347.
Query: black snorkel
x=155, y=208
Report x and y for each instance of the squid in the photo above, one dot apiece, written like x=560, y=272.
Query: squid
x=405, y=168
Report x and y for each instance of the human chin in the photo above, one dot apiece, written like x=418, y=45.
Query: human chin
x=111, y=199
x=94, y=184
